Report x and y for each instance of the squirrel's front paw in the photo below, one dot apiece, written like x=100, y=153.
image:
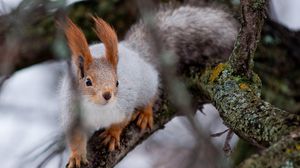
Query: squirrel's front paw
x=111, y=137
x=76, y=161
x=144, y=118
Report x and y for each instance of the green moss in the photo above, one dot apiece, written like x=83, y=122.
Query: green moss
x=166, y=110
x=258, y=4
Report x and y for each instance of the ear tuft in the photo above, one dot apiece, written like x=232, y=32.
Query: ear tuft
x=78, y=45
x=109, y=38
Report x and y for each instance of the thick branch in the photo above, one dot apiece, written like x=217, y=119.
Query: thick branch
x=252, y=14
x=284, y=153
x=235, y=90
x=237, y=97
x=238, y=101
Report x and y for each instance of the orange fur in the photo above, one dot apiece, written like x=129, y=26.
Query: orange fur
x=144, y=117
x=77, y=43
x=109, y=38
x=77, y=144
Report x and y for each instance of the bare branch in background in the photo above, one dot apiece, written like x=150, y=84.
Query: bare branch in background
x=45, y=152
x=227, y=148
x=219, y=133
x=252, y=21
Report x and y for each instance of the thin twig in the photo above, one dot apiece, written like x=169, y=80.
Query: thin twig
x=218, y=133
x=227, y=147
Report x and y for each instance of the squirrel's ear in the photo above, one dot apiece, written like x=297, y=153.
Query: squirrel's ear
x=78, y=45
x=109, y=38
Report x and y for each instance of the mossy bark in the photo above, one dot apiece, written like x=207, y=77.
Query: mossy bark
x=283, y=154
x=240, y=106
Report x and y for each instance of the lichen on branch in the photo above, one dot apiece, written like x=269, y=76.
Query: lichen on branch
x=238, y=100
x=284, y=153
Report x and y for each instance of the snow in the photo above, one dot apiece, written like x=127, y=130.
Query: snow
x=287, y=13
x=28, y=111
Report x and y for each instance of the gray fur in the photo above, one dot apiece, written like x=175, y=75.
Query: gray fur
x=198, y=35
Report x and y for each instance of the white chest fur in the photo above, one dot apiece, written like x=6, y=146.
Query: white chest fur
x=99, y=116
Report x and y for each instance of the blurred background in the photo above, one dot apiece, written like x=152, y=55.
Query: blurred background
x=32, y=58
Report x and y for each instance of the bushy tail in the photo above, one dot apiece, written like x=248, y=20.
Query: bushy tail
x=194, y=34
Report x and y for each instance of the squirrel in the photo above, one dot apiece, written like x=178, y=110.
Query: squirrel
x=118, y=81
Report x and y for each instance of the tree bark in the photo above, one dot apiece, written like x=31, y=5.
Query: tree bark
x=284, y=153
x=252, y=20
x=241, y=108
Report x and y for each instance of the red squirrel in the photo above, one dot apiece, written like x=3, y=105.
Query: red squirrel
x=115, y=78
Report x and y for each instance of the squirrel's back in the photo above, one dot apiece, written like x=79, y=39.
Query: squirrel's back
x=192, y=33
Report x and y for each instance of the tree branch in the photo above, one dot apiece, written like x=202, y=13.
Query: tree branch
x=284, y=153
x=242, y=110
x=252, y=14
x=235, y=91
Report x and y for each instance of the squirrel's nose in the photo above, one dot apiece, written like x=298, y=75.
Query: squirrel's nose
x=106, y=95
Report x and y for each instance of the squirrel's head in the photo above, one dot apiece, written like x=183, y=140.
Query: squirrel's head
x=97, y=77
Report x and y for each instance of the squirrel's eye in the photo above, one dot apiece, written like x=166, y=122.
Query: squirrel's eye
x=117, y=83
x=88, y=82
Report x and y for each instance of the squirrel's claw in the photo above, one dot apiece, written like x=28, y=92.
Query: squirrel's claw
x=111, y=138
x=145, y=121
x=76, y=161
x=144, y=118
